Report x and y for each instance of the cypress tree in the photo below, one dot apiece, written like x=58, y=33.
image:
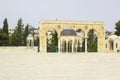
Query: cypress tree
x=5, y=26
x=18, y=36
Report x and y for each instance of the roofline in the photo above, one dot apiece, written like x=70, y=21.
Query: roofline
x=70, y=22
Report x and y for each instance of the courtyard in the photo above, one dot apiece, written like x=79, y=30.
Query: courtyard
x=28, y=64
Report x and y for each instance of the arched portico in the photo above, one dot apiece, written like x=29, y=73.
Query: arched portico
x=30, y=41
x=59, y=26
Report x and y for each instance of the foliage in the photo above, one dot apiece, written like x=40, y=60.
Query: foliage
x=5, y=26
x=81, y=49
x=92, y=47
x=18, y=35
x=36, y=41
x=54, y=43
x=55, y=39
x=117, y=32
x=3, y=38
x=92, y=41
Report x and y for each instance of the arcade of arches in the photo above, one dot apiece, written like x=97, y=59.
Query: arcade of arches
x=72, y=35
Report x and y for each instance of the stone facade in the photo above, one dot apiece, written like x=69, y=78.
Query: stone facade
x=59, y=26
x=112, y=44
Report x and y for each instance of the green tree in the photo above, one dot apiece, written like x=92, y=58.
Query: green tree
x=90, y=36
x=117, y=32
x=3, y=38
x=26, y=32
x=54, y=43
x=13, y=40
x=55, y=39
x=18, y=35
x=92, y=41
x=36, y=41
x=5, y=26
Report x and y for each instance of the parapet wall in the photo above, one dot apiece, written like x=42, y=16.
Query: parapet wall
x=15, y=49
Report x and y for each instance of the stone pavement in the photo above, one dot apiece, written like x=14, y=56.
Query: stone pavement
x=30, y=65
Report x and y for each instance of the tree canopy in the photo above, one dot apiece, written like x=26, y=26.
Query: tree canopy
x=17, y=37
x=117, y=32
x=54, y=43
x=5, y=26
x=92, y=41
x=3, y=38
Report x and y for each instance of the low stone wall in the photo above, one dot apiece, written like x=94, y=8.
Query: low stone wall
x=12, y=48
x=16, y=49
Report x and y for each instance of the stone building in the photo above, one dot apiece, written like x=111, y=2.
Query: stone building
x=30, y=41
x=68, y=38
x=112, y=44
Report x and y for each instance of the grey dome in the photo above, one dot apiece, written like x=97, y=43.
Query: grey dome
x=68, y=32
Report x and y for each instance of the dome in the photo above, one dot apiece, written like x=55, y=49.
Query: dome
x=30, y=35
x=68, y=32
x=113, y=37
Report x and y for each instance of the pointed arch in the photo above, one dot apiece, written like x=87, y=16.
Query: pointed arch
x=52, y=40
x=80, y=40
x=92, y=41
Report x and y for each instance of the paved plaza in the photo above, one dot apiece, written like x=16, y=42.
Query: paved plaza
x=27, y=64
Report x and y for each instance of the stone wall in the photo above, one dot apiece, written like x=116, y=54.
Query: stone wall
x=58, y=26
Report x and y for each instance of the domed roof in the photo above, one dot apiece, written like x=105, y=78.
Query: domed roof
x=68, y=32
x=30, y=35
x=113, y=37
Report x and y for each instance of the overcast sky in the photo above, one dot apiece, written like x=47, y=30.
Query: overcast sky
x=32, y=11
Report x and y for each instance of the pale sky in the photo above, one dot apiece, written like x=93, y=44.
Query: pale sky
x=32, y=11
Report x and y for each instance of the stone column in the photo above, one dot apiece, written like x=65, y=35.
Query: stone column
x=33, y=43
x=76, y=45
x=72, y=46
x=86, y=45
x=63, y=47
x=58, y=45
x=67, y=46
x=27, y=44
